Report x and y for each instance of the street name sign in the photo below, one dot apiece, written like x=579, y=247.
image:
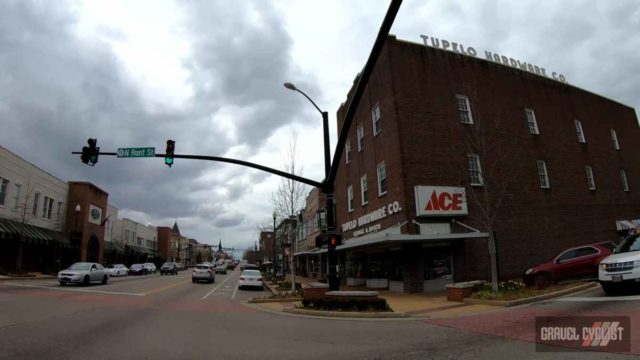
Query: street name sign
x=136, y=152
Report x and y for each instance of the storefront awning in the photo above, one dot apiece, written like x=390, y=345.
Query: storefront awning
x=113, y=246
x=141, y=250
x=11, y=228
x=391, y=238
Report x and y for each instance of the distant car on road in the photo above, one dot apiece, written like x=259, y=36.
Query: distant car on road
x=117, y=270
x=203, y=272
x=221, y=269
x=576, y=262
x=251, y=278
x=83, y=273
x=169, y=268
x=249, y=267
x=138, y=269
x=151, y=267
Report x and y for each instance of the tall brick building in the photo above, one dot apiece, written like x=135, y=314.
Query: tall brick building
x=446, y=148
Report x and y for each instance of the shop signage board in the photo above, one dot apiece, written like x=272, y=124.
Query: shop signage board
x=440, y=201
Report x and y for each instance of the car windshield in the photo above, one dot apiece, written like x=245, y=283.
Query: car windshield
x=167, y=264
x=136, y=266
x=203, y=267
x=80, y=266
x=251, y=273
x=118, y=266
x=628, y=245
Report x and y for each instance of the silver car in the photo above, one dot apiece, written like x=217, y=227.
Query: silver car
x=251, y=278
x=83, y=273
x=203, y=272
x=117, y=270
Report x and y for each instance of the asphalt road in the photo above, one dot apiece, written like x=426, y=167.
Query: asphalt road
x=168, y=317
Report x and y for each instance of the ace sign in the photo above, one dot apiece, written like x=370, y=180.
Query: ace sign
x=440, y=201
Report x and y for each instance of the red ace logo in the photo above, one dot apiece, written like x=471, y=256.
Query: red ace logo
x=440, y=201
x=446, y=201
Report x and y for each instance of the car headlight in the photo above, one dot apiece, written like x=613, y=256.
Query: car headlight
x=636, y=264
x=528, y=272
x=603, y=266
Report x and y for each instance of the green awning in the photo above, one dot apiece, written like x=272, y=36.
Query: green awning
x=34, y=234
x=113, y=246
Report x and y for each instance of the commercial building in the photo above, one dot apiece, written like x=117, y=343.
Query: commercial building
x=448, y=147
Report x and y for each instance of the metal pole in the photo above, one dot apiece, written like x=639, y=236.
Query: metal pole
x=274, y=248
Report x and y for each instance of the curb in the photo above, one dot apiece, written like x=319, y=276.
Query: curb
x=531, y=299
x=271, y=289
x=346, y=314
x=264, y=301
x=27, y=278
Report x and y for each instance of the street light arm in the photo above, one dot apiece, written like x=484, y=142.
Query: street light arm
x=308, y=98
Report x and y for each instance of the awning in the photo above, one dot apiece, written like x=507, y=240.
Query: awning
x=35, y=234
x=113, y=246
x=141, y=250
x=309, y=252
x=625, y=225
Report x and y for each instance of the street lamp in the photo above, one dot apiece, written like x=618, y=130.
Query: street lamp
x=327, y=190
x=77, y=214
x=274, y=245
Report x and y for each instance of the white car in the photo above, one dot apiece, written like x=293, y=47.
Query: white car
x=117, y=270
x=252, y=278
x=203, y=272
x=151, y=267
x=83, y=273
x=621, y=270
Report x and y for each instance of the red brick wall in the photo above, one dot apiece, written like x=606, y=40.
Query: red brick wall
x=86, y=194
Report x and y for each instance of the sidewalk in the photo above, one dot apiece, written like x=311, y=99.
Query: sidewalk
x=30, y=276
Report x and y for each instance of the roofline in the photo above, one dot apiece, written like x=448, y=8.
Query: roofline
x=86, y=183
x=32, y=164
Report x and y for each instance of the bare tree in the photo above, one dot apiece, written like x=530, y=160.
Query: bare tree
x=23, y=214
x=288, y=199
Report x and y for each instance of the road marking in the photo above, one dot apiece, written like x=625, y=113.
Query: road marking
x=165, y=288
x=215, y=288
x=77, y=290
x=234, y=293
x=607, y=298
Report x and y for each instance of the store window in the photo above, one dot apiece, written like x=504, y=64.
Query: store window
x=437, y=263
x=464, y=109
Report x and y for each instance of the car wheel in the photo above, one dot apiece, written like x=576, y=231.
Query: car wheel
x=86, y=280
x=610, y=289
x=104, y=280
x=542, y=280
x=62, y=283
x=193, y=281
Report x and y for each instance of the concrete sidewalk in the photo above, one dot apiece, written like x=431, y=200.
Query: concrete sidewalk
x=30, y=276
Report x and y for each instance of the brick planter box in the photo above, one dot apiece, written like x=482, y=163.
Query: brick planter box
x=458, y=291
x=314, y=291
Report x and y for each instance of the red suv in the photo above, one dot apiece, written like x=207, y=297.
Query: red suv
x=580, y=261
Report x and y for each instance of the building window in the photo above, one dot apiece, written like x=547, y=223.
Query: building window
x=464, y=109
x=475, y=172
x=360, y=137
x=139, y=241
x=59, y=209
x=364, y=193
x=382, y=179
x=579, y=131
x=591, y=181
x=47, y=207
x=623, y=177
x=543, y=175
x=4, y=184
x=36, y=202
x=347, y=151
x=350, y=198
x=531, y=121
x=18, y=188
x=375, y=116
x=614, y=139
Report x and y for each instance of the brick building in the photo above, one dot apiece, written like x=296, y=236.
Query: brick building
x=446, y=148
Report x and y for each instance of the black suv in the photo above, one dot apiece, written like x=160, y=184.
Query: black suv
x=169, y=268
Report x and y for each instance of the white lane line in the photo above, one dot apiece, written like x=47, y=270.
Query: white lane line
x=607, y=298
x=77, y=290
x=234, y=293
x=215, y=288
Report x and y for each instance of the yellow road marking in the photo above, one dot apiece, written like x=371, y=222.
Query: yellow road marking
x=165, y=288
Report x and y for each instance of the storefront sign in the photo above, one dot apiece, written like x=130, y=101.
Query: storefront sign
x=497, y=58
x=440, y=201
x=375, y=215
x=95, y=214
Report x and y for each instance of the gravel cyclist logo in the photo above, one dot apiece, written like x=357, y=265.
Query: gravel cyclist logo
x=609, y=333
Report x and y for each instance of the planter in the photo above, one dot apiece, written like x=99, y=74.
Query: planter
x=396, y=286
x=377, y=283
x=356, y=281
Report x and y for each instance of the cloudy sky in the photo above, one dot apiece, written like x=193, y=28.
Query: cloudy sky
x=209, y=75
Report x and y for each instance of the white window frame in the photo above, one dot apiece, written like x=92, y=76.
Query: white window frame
x=475, y=170
x=36, y=203
x=360, y=133
x=625, y=182
x=4, y=188
x=380, y=179
x=531, y=121
x=350, y=198
x=375, y=118
x=614, y=139
x=347, y=151
x=47, y=208
x=18, y=189
x=463, y=107
x=364, y=190
x=579, y=131
x=591, y=180
x=543, y=175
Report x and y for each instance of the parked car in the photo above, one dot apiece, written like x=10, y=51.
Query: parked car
x=203, y=272
x=576, y=262
x=83, y=273
x=231, y=265
x=221, y=269
x=138, y=269
x=117, y=270
x=251, y=278
x=151, y=267
x=169, y=268
x=621, y=270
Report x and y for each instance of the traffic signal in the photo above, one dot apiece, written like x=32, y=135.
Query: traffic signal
x=90, y=153
x=334, y=241
x=168, y=157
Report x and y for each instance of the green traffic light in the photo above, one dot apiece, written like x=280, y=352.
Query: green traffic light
x=168, y=161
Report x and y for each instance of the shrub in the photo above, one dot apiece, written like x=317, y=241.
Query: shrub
x=346, y=304
x=510, y=286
